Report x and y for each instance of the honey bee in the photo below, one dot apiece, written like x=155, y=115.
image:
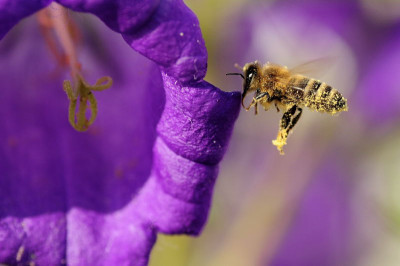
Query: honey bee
x=289, y=91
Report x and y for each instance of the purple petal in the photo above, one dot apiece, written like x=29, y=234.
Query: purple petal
x=65, y=193
x=166, y=32
x=186, y=155
x=12, y=11
x=100, y=198
x=189, y=107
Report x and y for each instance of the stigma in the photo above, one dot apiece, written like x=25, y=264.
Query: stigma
x=58, y=30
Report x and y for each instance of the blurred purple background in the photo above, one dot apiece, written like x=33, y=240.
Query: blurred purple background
x=333, y=198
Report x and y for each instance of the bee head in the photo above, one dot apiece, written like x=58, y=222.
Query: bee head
x=250, y=71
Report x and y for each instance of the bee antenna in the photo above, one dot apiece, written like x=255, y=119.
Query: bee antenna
x=235, y=74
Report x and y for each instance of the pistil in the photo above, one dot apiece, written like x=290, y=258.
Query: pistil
x=59, y=19
x=79, y=92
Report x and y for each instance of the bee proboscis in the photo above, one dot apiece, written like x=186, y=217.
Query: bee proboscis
x=289, y=91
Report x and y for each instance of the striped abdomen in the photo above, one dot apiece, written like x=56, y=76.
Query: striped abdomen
x=316, y=95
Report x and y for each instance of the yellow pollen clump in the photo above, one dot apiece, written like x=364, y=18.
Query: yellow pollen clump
x=280, y=140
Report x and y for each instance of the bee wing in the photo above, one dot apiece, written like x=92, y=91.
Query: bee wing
x=284, y=83
x=316, y=67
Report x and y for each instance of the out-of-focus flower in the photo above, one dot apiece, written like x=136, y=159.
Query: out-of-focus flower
x=149, y=162
x=319, y=232
x=379, y=94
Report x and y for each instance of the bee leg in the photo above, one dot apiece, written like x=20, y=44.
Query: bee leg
x=261, y=96
x=277, y=109
x=258, y=97
x=295, y=119
x=287, y=117
x=256, y=108
x=285, y=123
x=253, y=103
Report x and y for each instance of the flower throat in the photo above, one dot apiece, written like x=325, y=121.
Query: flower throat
x=57, y=27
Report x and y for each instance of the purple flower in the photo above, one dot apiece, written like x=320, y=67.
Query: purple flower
x=148, y=163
